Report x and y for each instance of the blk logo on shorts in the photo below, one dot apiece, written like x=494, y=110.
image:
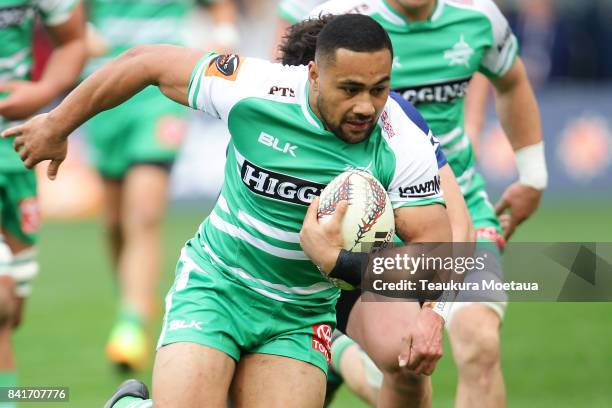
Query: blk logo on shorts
x=321, y=340
x=183, y=324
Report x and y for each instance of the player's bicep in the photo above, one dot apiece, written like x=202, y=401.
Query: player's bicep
x=173, y=70
x=427, y=223
x=515, y=75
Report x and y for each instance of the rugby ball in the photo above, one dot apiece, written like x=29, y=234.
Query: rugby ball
x=368, y=223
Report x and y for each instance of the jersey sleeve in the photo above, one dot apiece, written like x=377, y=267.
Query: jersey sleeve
x=415, y=180
x=55, y=12
x=418, y=119
x=502, y=53
x=218, y=82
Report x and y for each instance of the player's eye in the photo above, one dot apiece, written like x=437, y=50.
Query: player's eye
x=350, y=91
x=377, y=91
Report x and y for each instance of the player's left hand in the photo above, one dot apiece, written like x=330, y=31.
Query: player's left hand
x=425, y=348
x=37, y=140
x=521, y=201
x=24, y=99
x=322, y=242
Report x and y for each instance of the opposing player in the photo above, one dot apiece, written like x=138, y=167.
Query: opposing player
x=19, y=99
x=245, y=291
x=134, y=147
x=441, y=44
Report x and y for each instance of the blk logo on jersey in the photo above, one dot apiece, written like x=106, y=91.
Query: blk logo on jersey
x=273, y=142
x=422, y=190
x=279, y=186
x=443, y=92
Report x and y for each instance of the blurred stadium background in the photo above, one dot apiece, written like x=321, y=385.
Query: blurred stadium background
x=553, y=355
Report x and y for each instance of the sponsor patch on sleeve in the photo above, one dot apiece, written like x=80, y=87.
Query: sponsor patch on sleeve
x=224, y=66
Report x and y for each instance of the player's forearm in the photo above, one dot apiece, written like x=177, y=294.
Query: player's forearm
x=114, y=83
x=476, y=106
x=517, y=109
x=63, y=68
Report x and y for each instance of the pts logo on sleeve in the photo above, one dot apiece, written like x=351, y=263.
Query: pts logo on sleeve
x=423, y=190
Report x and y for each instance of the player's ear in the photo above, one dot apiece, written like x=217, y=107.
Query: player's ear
x=313, y=75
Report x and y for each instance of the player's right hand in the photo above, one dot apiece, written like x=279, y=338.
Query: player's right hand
x=38, y=140
x=322, y=242
x=424, y=347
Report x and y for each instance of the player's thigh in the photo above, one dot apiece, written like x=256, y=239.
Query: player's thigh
x=266, y=380
x=191, y=375
x=383, y=329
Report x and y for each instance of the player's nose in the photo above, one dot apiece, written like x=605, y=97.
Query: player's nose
x=364, y=108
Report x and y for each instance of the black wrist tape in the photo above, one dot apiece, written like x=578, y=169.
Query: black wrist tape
x=350, y=267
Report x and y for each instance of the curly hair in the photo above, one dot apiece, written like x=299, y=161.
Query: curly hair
x=300, y=41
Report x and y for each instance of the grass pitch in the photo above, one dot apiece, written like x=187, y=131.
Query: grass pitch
x=553, y=354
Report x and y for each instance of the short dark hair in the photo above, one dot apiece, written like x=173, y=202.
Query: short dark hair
x=354, y=32
x=303, y=40
x=300, y=40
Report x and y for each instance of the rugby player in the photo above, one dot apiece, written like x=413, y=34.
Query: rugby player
x=247, y=304
x=440, y=44
x=134, y=147
x=19, y=99
x=349, y=362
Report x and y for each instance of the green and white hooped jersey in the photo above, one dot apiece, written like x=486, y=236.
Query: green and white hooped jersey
x=435, y=59
x=127, y=23
x=16, y=30
x=296, y=10
x=280, y=158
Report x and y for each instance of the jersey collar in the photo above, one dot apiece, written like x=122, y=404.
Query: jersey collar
x=394, y=17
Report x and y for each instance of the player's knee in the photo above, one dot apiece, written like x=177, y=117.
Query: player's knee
x=476, y=343
x=386, y=359
x=113, y=225
x=145, y=219
x=405, y=382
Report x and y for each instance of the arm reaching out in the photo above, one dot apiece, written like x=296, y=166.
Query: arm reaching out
x=519, y=115
x=44, y=137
